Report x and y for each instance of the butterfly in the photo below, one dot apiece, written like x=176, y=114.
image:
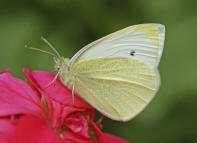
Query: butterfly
x=118, y=73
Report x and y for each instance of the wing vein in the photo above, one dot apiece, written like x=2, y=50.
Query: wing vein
x=118, y=80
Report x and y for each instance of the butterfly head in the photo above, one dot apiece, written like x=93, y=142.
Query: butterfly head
x=61, y=63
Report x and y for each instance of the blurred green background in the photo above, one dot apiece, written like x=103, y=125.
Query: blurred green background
x=71, y=24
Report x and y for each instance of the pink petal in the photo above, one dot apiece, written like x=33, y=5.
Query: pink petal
x=5, y=71
x=113, y=139
x=70, y=137
x=78, y=124
x=32, y=130
x=16, y=97
x=99, y=134
x=58, y=112
x=3, y=138
x=57, y=91
x=7, y=130
x=105, y=137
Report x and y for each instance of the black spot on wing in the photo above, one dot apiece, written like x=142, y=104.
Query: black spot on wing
x=132, y=53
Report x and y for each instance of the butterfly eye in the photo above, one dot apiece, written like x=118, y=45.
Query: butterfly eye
x=132, y=53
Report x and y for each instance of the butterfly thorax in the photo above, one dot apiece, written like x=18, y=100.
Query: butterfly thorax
x=63, y=68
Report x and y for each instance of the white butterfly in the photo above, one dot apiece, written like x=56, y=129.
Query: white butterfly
x=117, y=74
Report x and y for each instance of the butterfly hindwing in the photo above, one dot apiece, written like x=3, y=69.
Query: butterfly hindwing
x=118, y=87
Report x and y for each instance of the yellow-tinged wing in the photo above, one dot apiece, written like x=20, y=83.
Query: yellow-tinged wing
x=118, y=87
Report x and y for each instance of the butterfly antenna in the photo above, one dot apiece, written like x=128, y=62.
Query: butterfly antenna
x=51, y=46
x=36, y=49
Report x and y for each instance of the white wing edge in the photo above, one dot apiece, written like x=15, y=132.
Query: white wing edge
x=161, y=39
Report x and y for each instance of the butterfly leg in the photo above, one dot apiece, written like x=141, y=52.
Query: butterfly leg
x=73, y=93
x=54, y=80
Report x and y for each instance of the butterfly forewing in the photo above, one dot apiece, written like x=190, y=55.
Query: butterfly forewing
x=144, y=42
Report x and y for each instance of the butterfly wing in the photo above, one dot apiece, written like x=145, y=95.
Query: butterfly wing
x=118, y=87
x=144, y=42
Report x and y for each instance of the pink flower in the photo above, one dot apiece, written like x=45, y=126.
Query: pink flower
x=31, y=114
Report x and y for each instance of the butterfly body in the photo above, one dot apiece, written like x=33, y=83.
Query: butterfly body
x=117, y=74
